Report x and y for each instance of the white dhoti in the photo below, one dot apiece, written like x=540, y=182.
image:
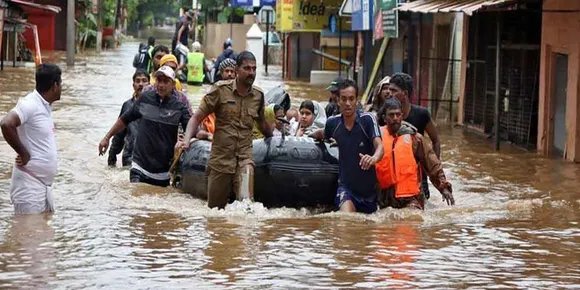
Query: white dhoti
x=28, y=194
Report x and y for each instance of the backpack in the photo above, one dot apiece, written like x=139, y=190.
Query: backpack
x=142, y=59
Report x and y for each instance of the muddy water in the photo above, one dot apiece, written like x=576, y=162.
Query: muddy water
x=515, y=224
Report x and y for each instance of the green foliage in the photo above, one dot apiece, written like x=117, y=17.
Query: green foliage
x=87, y=29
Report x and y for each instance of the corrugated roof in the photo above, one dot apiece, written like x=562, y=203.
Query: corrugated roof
x=445, y=6
x=50, y=8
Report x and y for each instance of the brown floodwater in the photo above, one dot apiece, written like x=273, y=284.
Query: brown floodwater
x=515, y=225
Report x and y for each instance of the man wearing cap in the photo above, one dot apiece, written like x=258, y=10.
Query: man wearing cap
x=160, y=113
x=171, y=61
x=196, y=67
x=332, y=107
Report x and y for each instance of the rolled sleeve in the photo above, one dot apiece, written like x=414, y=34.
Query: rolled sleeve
x=210, y=102
x=432, y=165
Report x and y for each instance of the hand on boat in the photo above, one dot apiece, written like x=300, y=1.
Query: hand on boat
x=448, y=197
x=366, y=161
x=103, y=145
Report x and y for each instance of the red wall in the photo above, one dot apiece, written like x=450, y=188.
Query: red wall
x=45, y=24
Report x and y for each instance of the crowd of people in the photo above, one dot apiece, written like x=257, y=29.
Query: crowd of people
x=382, y=163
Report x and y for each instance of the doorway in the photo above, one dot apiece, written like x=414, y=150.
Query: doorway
x=560, y=90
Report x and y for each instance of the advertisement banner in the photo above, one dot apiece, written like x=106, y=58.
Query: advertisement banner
x=307, y=16
x=362, y=15
x=390, y=18
x=284, y=15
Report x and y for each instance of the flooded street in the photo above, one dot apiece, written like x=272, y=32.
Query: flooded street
x=515, y=225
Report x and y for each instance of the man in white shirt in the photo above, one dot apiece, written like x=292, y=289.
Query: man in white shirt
x=29, y=130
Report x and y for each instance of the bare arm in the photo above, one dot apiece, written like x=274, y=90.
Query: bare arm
x=379, y=150
x=432, y=131
x=116, y=128
x=193, y=126
x=9, y=124
x=180, y=32
x=367, y=161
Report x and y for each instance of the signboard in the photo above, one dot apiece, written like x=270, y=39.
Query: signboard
x=267, y=3
x=390, y=18
x=242, y=3
x=362, y=15
x=307, y=16
x=284, y=15
x=267, y=15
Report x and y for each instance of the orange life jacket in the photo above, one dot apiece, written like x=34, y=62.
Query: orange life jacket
x=209, y=123
x=398, y=167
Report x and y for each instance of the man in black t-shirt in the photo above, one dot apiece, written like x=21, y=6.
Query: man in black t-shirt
x=401, y=87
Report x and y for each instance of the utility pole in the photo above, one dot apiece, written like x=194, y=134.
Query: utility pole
x=70, y=33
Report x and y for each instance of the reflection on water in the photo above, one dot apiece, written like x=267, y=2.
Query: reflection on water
x=515, y=224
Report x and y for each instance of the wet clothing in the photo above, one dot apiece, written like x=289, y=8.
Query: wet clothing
x=124, y=140
x=235, y=114
x=365, y=206
x=222, y=187
x=359, y=183
x=136, y=176
x=31, y=185
x=181, y=97
x=156, y=134
x=425, y=159
x=412, y=202
x=228, y=53
x=419, y=117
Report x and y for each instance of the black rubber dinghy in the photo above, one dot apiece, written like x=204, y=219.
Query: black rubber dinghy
x=290, y=171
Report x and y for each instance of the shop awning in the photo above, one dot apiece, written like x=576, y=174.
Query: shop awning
x=449, y=6
x=51, y=8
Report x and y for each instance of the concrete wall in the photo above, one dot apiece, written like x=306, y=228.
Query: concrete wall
x=560, y=29
x=216, y=34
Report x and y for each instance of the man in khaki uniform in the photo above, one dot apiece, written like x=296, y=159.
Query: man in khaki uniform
x=236, y=104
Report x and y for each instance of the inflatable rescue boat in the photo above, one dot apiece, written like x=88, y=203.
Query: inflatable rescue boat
x=290, y=171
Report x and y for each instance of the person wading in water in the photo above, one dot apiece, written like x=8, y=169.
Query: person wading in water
x=401, y=87
x=237, y=104
x=407, y=156
x=160, y=114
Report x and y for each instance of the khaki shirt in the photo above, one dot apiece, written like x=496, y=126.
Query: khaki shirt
x=235, y=116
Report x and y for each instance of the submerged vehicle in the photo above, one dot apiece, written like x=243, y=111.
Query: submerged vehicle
x=289, y=171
